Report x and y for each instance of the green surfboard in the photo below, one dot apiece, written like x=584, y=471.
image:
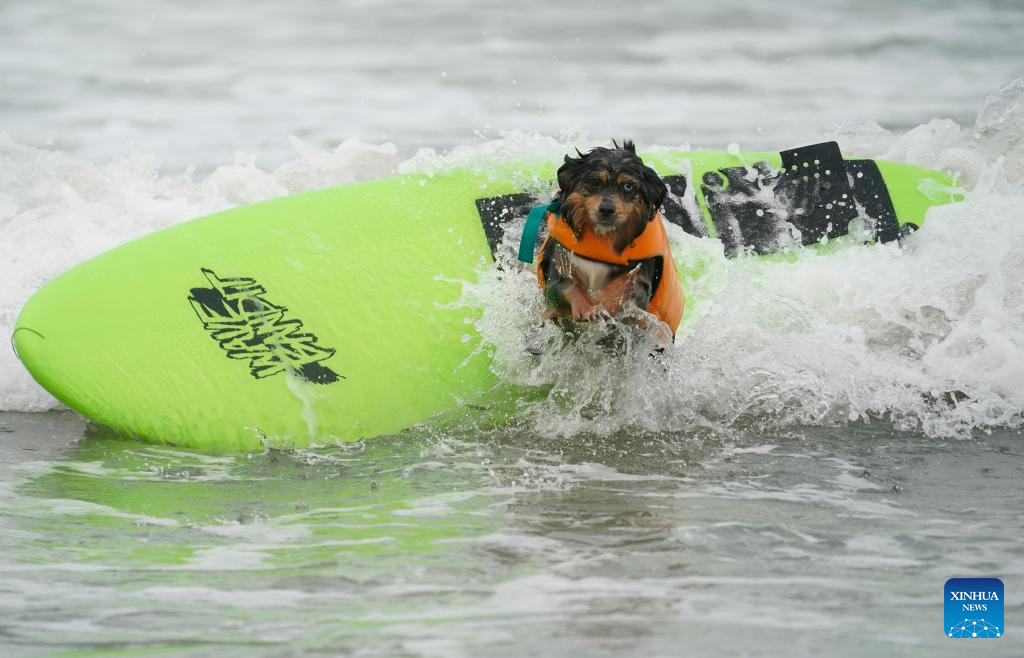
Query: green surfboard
x=331, y=315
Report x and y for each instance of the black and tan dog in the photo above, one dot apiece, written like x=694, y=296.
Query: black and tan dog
x=607, y=253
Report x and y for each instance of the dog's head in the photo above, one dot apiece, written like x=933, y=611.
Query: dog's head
x=612, y=191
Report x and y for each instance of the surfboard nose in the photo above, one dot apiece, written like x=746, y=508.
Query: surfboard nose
x=26, y=340
x=32, y=348
x=41, y=340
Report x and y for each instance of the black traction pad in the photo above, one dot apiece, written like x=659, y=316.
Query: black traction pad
x=497, y=211
x=675, y=212
x=750, y=206
x=870, y=191
x=742, y=205
x=816, y=192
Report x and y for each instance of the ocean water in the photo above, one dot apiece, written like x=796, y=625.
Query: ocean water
x=830, y=440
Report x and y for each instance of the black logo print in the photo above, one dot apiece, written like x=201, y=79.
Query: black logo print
x=238, y=316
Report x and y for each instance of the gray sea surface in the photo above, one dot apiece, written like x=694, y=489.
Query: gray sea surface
x=195, y=82
x=479, y=541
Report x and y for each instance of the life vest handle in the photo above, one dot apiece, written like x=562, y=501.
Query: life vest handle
x=528, y=243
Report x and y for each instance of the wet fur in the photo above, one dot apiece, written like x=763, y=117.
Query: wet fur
x=610, y=169
x=616, y=195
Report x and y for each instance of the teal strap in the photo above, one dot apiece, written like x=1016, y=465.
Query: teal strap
x=528, y=242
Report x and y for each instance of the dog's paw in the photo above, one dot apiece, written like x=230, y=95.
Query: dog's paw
x=590, y=313
x=584, y=307
x=616, y=293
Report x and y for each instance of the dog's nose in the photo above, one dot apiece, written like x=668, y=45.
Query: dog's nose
x=606, y=207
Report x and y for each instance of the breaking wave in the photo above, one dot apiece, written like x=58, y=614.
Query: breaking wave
x=929, y=336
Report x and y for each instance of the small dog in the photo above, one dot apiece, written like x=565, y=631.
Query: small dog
x=607, y=253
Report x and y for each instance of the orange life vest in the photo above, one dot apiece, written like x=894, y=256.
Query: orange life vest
x=667, y=302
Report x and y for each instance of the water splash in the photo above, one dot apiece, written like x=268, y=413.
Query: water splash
x=928, y=336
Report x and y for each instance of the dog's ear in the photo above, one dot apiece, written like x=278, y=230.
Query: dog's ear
x=570, y=174
x=654, y=190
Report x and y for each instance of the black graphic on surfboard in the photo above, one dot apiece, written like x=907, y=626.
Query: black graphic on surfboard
x=238, y=316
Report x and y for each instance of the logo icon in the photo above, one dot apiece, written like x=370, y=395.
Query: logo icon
x=248, y=327
x=974, y=608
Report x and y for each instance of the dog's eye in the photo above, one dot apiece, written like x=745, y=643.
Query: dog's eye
x=629, y=187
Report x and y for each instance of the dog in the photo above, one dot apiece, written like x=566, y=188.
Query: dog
x=607, y=253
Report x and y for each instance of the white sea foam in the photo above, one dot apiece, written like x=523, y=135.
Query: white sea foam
x=247, y=599
x=866, y=332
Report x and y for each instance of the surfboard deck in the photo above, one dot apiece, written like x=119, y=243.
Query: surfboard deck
x=334, y=315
